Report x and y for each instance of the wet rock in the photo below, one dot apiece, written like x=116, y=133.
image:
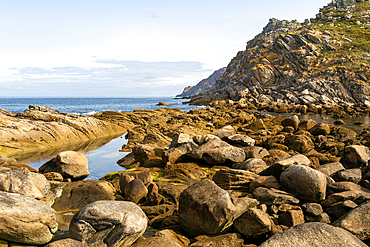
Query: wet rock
x=314, y=234
x=128, y=161
x=224, y=131
x=229, y=239
x=239, y=140
x=355, y=156
x=218, y=152
x=112, y=223
x=349, y=175
x=279, y=166
x=205, y=208
x=254, y=222
x=76, y=195
x=69, y=164
x=26, y=220
x=304, y=182
x=357, y=221
x=330, y=168
x=234, y=179
x=24, y=182
x=271, y=196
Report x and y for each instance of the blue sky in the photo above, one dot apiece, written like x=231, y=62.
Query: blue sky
x=111, y=48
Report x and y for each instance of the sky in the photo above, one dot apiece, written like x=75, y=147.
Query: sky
x=119, y=48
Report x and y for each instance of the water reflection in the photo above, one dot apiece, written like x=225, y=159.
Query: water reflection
x=102, y=154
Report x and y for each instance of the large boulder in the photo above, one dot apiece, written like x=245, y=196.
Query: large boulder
x=314, y=234
x=291, y=121
x=271, y=196
x=218, y=152
x=24, y=182
x=299, y=143
x=67, y=242
x=252, y=164
x=304, y=182
x=357, y=221
x=355, y=156
x=108, y=223
x=69, y=164
x=205, y=208
x=76, y=195
x=26, y=220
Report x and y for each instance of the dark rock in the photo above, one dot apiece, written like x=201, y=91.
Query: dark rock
x=135, y=191
x=355, y=156
x=291, y=121
x=340, y=209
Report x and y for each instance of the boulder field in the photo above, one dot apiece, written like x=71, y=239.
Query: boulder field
x=210, y=177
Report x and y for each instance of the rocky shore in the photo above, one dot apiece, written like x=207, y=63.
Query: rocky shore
x=213, y=177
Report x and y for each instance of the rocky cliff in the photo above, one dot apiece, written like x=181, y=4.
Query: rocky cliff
x=202, y=86
x=41, y=128
x=324, y=62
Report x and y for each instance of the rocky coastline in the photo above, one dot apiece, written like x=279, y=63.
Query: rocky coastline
x=228, y=176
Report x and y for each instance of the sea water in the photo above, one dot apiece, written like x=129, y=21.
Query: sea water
x=88, y=106
x=102, y=160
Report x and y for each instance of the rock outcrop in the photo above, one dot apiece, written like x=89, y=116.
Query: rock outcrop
x=202, y=86
x=43, y=128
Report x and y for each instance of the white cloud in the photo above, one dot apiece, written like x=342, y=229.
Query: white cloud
x=108, y=77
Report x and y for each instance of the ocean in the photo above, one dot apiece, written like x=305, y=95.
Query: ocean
x=103, y=158
x=88, y=106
